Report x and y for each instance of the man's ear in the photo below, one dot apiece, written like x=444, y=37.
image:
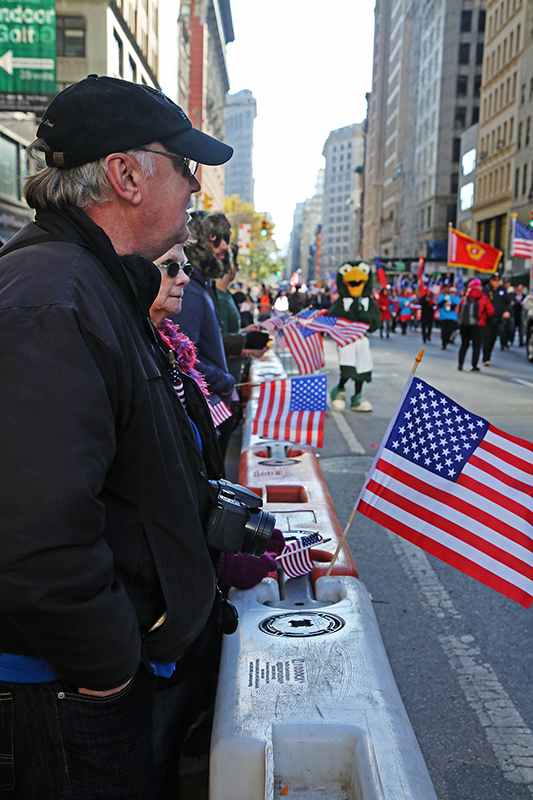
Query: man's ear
x=124, y=175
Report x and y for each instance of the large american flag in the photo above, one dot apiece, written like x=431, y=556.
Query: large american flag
x=292, y=410
x=306, y=348
x=341, y=330
x=451, y=483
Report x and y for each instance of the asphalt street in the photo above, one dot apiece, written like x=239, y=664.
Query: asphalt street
x=460, y=652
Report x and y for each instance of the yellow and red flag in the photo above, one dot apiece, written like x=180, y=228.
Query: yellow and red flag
x=463, y=251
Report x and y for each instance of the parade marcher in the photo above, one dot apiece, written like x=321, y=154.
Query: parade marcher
x=518, y=307
x=404, y=310
x=501, y=303
x=427, y=315
x=106, y=577
x=384, y=304
x=356, y=304
x=447, y=303
x=295, y=300
x=472, y=313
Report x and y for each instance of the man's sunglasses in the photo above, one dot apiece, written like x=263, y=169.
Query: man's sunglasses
x=172, y=268
x=189, y=168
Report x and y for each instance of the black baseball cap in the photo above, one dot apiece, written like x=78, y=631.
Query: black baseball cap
x=101, y=115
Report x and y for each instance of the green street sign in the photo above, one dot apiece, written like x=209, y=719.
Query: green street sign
x=27, y=47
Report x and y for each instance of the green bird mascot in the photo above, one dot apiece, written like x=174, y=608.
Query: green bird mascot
x=356, y=304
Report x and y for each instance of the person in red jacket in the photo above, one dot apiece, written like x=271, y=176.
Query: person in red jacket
x=384, y=304
x=472, y=314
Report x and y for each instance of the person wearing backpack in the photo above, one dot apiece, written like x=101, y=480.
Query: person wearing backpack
x=472, y=314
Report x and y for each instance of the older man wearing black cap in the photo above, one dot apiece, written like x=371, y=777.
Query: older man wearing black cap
x=105, y=576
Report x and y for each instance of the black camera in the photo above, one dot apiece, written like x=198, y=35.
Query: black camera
x=236, y=523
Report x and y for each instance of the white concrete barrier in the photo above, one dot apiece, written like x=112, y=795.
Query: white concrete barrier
x=307, y=700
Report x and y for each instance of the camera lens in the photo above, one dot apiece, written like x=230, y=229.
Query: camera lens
x=257, y=532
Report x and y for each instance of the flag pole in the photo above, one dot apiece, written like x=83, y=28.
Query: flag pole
x=418, y=359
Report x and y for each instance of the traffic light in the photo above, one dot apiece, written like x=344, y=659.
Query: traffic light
x=531, y=218
x=208, y=202
x=264, y=228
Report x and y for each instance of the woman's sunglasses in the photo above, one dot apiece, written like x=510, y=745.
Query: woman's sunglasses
x=172, y=268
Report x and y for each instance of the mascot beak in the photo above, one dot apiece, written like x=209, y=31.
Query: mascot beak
x=355, y=281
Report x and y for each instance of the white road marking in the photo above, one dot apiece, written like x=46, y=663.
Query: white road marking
x=505, y=730
x=524, y=383
x=349, y=436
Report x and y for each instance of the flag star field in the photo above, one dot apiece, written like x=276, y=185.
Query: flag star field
x=434, y=432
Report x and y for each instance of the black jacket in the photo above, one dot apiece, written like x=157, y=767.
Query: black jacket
x=103, y=487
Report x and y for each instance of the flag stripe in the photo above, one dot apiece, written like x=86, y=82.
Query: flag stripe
x=505, y=505
x=507, y=457
x=437, y=549
x=519, y=447
x=485, y=467
x=466, y=545
x=465, y=505
x=485, y=543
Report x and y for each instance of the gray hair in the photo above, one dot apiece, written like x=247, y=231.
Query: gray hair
x=81, y=186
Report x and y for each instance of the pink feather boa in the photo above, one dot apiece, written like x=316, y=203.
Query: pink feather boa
x=185, y=351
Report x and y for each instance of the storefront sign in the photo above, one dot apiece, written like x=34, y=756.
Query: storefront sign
x=27, y=53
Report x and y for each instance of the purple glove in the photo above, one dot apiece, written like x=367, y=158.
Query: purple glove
x=243, y=571
x=276, y=542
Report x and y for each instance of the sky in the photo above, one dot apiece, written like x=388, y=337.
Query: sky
x=309, y=66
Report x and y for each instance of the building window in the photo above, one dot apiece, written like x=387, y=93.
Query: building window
x=429, y=216
x=479, y=54
x=70, y=36
x=528, y=131
x=475, y=115
x=519, y=140
x=131, y=70
x=523, y=94
x=464, y=53
x=462, y=86
x=456, y=150
x=524, y=179
x=466, y=21
x=516, y=182
x=468, y=161
x=454, y=182
x=9, y=168
x=460, y=117
x=116, y=55
x=481, y=20
x=466, y=196
x=477, y=85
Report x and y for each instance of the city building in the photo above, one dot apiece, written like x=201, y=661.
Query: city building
x=425, y=92
x=211, y=29
x=502, y=164
x=310, y=235
x=467, y=179
x=375, y=133
x=102, y=37
x=451, y=60
x=241, y=110
x=343, y=183
x=522, y=200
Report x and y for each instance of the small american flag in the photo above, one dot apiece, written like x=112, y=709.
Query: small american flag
x=296, y=561
x=292, y=410
x=522, y=240
x=219, y=412
x=341, y=330
x=306, y=348
x=457, y=487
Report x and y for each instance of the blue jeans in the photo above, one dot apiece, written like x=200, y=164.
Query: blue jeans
x=56, y=744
